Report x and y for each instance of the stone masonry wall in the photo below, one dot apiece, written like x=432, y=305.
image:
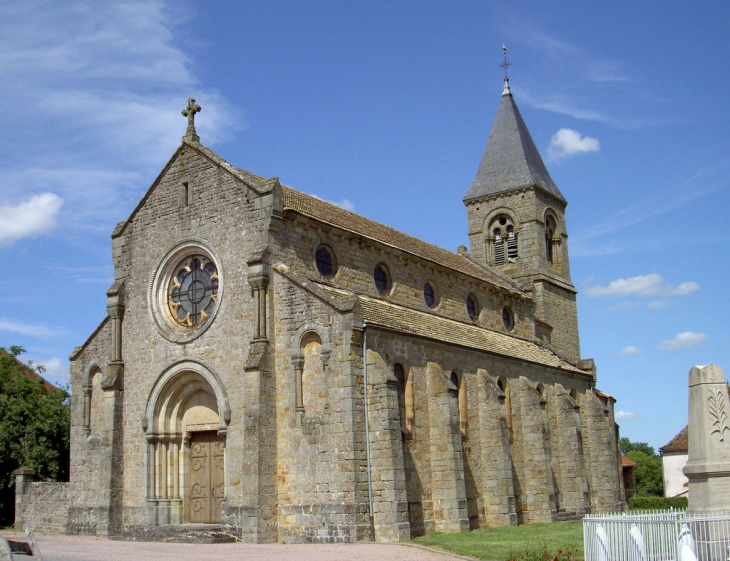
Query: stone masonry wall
x=87, y=512
x=545, y=439
x=40, y=506
x=320, y=448
x=357, y=260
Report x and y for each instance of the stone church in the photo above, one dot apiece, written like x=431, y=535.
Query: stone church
x=285, y=370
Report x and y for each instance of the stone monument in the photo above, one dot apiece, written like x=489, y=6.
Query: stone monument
x=708, y=465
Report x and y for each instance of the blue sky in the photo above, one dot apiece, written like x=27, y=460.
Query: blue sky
x=385, y=108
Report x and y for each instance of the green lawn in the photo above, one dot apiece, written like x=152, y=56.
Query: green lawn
x=512, y=541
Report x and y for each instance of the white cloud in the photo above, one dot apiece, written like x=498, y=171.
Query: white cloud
x=657, y=304
x=57, y=370
x=568, y=142
x=34, y=217
x=26, y=328
x=344, y=203
x=96, y=91
x=642, y=285
x=630, y=350
x=625, y=415
x=684, y=340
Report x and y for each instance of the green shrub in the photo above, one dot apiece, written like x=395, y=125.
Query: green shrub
x=654, y=503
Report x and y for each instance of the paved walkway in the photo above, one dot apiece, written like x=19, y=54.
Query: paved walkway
x=84, y=548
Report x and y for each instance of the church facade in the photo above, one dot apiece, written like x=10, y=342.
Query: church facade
x=285, y=370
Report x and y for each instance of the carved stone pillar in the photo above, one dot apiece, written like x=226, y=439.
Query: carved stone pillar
x=114, y=378
x=87, y=406
x=297, y=362
x=258, y=279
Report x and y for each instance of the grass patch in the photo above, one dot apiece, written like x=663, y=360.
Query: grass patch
x=512, y=541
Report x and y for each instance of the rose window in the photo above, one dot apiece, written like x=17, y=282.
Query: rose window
x=193, y=291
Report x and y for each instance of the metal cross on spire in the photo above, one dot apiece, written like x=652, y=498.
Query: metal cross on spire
x=505, y=65
x=189, y=112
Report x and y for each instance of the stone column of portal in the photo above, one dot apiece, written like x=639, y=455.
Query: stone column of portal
x=708, y=467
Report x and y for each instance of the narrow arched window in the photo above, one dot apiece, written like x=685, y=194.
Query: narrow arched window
x=460, y=383
x=550, y=228
x=405, y=400
x=504, y=386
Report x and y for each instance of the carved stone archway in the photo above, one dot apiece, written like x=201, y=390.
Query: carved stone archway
x=185, y=424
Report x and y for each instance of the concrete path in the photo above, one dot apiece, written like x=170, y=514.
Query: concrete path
x=83, y=548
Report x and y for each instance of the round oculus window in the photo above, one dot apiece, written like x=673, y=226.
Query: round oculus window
x=381, y=277
x=193, y=291
x=472, y=307
x=429, y=295
x=185, y=292
x=325, y=261
x=508, y=319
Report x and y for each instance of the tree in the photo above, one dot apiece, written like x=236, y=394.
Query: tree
x=627, y=446
x=648, y=470
x=34, y=426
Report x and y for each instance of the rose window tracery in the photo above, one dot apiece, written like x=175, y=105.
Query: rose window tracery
x=193, y=291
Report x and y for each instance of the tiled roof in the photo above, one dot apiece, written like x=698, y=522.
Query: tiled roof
x=359, y=225
x=678, y=444
x=33, y=375
x=625, y=462
x=387, y=315
x=511, y=159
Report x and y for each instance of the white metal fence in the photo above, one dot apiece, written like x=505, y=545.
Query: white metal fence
x=660, y=535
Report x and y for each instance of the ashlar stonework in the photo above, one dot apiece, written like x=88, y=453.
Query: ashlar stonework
x=255, y=372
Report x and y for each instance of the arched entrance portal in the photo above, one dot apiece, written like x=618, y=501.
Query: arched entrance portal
x=185, y=434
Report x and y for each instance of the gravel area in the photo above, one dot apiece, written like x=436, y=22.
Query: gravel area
x=83, y=548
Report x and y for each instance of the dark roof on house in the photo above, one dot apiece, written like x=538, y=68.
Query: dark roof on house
x=678, y=444
x=364, y=227
x=511, y=159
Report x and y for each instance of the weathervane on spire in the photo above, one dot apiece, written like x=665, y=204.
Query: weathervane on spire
x=505, y=65
x=189, y=112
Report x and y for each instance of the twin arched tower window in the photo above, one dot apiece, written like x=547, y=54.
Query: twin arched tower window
x=504, y=240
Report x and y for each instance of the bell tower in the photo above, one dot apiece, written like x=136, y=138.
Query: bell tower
x=516, y=218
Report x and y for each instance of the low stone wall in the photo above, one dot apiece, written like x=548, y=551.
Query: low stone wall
x=40, y=506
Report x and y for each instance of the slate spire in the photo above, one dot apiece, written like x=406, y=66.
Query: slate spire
x=511, y=159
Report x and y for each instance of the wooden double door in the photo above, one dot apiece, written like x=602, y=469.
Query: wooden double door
x=207, y=477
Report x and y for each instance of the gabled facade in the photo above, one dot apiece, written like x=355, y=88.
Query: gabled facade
x=289, y=371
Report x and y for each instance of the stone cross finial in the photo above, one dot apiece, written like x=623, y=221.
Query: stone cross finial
x=189, y=112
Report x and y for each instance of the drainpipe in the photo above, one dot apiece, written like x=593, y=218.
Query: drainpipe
x=367, y=426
